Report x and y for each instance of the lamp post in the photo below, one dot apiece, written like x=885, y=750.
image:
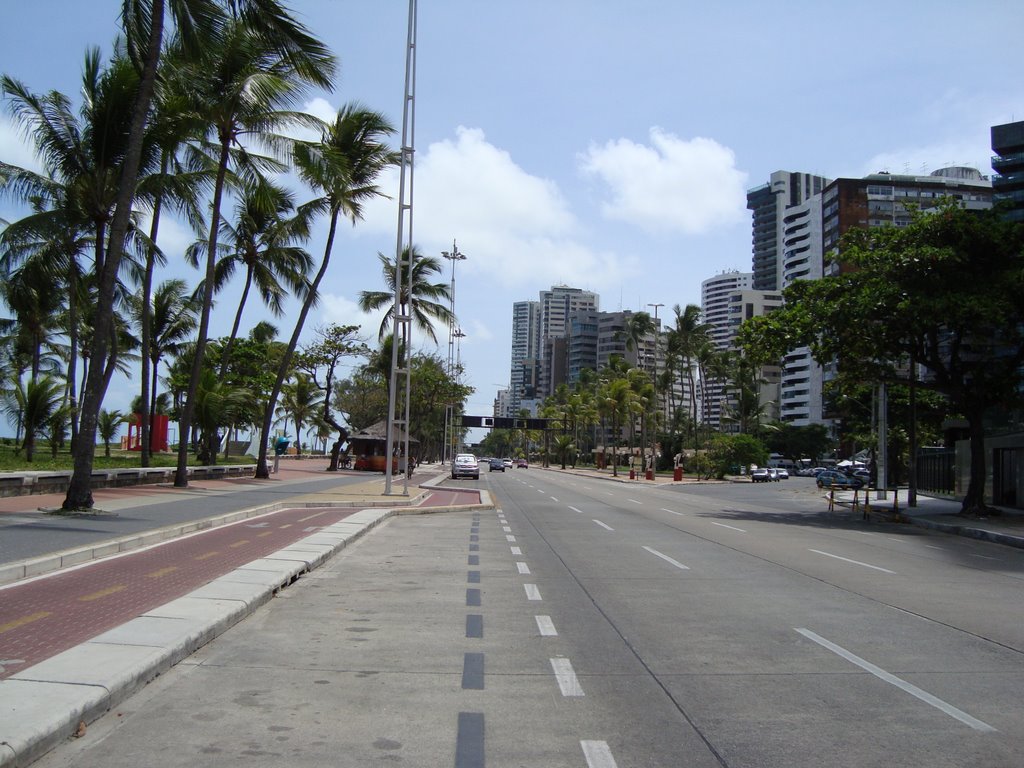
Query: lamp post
x=454, y=255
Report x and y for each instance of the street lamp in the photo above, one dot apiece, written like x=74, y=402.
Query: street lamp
x=454, y=255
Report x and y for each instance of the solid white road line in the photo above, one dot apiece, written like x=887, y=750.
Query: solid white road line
x=634, y=501
x=671, y=511
x=667, y=559
x=546, y=626
x=598, y=754
x=566, y=677
x=903, y=685
x=516, y=550
x=532, y=593
x=730, y=527
x=523, y=568
x=606, y=527
x=855, y=562
x=580, y=511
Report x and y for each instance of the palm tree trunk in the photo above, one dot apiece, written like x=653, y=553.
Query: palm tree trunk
x=79, y=493
x=226, y=355
x=262, y=470
x=185, y=423
x=146, y=342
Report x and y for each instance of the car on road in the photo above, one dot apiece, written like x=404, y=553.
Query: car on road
x=496, y=465
x=760, y=475
x=832, y=478
x=465, y=465
x=521, y=464
x=507, y=463
x=782, y=473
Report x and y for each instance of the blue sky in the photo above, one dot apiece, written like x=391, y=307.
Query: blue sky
x=601, y=144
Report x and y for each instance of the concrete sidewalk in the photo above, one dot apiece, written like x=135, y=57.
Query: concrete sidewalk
x=46, y=703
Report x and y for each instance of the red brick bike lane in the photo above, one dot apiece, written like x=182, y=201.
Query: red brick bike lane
x=47, y=616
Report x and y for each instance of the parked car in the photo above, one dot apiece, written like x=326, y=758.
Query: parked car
x=832, y=478
x=760, y=475
x=496, y=464
x=863, y=474
x=465, y=465
x=521, y=464
x=782, y=473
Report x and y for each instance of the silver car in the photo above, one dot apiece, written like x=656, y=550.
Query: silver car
x=465, y=465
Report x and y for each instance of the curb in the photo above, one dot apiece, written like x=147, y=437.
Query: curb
x=966, y=530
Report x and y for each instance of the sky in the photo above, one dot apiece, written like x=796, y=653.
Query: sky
x=602, y=145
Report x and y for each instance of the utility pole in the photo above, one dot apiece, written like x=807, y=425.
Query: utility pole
x=654, y=383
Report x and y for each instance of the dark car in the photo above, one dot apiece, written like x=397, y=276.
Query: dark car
x=831, y=478
x=496, y=465
x=521, y=464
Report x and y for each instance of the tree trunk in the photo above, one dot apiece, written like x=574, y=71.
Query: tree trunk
x=79, y=493
x=262, y=470
x=187, y=412
x=974, y=501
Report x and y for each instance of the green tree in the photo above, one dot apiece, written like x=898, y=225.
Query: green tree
x=945, y=293
x=36, y=401
x=727, y=452
x=300, y=400
x=343, y=169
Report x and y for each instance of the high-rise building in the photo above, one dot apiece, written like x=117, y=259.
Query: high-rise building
x=1008, y=163
x=525, y=354
x=556, y=307
x=769, y=203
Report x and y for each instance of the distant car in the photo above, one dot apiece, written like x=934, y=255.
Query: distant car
x=465, y=465
x=507, y=463
x=782, y=473
x=863, y=474
x=831, y=478
x=496, y=464
x=522, y=464
x=760, y=475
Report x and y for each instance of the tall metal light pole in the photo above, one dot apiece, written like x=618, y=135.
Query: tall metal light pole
x=449, y=427
x=398, y=405
x=458, y=335
x=654, y=382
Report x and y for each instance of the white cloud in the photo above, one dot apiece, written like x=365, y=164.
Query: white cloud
x=516, y=228
x=16, y=150
x=672, y=185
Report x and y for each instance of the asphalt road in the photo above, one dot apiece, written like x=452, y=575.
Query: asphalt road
x=34, y=532
x=597, y=624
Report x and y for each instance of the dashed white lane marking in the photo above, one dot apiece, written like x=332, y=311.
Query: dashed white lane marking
x=634, y=501
x=532, y=593
x=606, y=527
x=932, y=546
x=667, y=559
x=568, y=683
x=516, y=550
x=730, y=527
x=523, y=568
x=598, y=754
x=509, y=537
x=983, y=557
x=608, y=493
x=671, y=511
x=855, y=562
x=903, y=685
x=506, y=529
x=546, y=626
x=553, y=498
x=580, y=511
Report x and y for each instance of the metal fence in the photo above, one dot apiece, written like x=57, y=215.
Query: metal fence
x=936, y=470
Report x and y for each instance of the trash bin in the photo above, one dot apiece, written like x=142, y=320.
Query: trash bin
x=632, y=474
x=677, y=474
x=650, y=474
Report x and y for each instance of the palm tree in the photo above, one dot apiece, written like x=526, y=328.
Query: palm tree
x=173, y=318
x=301, y=400
x=261, y=242
x=343, y=168
x=423, y=305
x=615, y=404
x=244, y=85
x=37, y=401
x=685, y=340
x=107, y=425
